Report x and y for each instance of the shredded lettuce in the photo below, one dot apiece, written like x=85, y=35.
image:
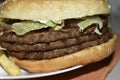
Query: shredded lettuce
x=2, y=23
x=97, y=31
x=22, y=28
x=89, y=21
x=54, y=25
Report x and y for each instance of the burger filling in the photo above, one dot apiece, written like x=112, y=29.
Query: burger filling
x=50, y=39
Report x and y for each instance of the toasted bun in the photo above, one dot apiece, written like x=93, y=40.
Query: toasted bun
x=89, y=55
x=52, y=9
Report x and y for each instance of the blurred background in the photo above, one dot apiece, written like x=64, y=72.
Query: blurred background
x=115, y=5
x=115, y=11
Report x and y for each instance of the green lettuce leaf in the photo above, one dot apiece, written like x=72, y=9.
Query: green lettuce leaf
x=22, y=28
x=89, y=21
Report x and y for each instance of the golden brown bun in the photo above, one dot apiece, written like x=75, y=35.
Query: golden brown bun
x=83, y=57
x=52, y=9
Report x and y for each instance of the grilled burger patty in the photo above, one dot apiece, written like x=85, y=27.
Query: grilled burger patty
x=44, y=35
x=49, y=35
x=12, y=46
x=60, y=51
x=48, y=43
x=68, y=46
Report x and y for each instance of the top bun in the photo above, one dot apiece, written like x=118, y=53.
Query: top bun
x=52, y=9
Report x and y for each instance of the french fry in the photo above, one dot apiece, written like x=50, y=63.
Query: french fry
x=8, y=65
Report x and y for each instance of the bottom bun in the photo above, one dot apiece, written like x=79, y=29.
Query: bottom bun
x=83, y=57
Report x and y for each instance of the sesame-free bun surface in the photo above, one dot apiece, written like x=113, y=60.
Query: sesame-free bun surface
x=52, y=9
x=83, y=57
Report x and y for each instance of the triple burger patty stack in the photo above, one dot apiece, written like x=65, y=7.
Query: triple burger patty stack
x=49, y=35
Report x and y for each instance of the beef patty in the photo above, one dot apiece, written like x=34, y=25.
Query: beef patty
x=48, y=43
x=57, y=48
x=60, y=51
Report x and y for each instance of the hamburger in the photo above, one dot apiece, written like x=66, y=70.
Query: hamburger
x=50, y=35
